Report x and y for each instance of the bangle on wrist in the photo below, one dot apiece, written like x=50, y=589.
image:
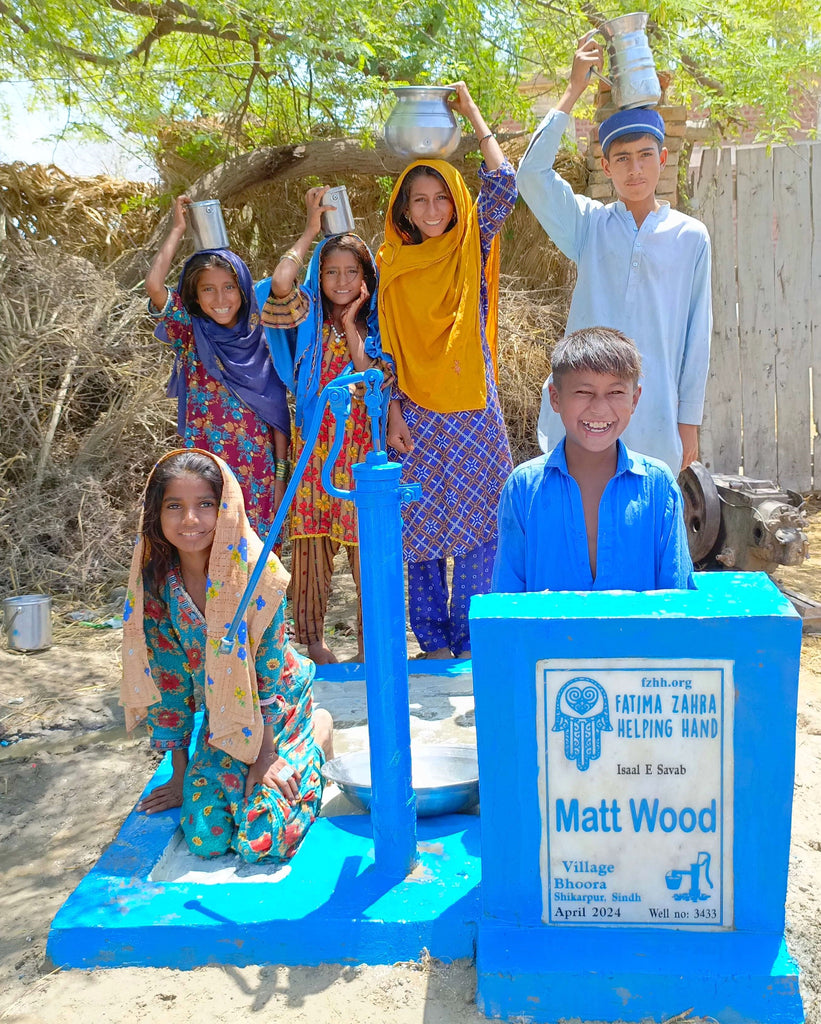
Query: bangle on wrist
x=282, y=469
x=484, y=138
x=294, y=257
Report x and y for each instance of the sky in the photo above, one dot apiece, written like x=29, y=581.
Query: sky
x=34, y=136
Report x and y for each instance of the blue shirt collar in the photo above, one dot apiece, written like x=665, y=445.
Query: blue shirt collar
x=660, y=214
x=626, y=461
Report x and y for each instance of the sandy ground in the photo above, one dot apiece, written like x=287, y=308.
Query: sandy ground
x=66, y=786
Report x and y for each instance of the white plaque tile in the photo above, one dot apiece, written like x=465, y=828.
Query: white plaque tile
x=636, y=792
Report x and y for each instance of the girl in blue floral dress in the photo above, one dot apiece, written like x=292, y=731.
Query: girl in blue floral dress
x=253, y=782
x=230, y=400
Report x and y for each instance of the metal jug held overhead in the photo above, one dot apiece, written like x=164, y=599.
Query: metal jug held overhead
x=207, y=225
x=633, y=78
x=340, y=220
x=422, y=124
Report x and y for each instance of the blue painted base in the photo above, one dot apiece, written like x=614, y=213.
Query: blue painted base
x=548, y=972
x=735, y=978
x=333, y=906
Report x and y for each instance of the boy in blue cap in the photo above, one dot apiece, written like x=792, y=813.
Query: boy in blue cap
x=592, y=515
x=643, y=267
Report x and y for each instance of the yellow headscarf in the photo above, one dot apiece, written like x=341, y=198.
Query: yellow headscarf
x=429, y=298
x=231, y=694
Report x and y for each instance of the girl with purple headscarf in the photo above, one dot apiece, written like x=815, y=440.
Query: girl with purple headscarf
x=230, y=400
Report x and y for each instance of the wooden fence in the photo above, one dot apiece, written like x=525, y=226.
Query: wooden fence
x=763, y=210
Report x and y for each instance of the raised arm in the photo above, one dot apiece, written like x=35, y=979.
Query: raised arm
x=563, y=214
x=291, y=263
x=155, y=278
x=463, y=103
x=588, y=55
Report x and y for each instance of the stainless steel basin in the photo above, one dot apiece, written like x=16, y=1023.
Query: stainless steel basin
x=446, y=778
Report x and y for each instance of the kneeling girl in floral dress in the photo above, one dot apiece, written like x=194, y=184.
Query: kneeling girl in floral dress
x=253, y=783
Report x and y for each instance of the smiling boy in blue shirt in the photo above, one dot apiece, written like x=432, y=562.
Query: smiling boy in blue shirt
x=592, y=515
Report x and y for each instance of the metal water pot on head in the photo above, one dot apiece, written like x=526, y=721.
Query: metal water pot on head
x=339, y=220
x=422, y=125
x=207, y=225
x=633, y=78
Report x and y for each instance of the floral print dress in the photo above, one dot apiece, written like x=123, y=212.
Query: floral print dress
x=219, y=422
x=314, y=513
x=215, y=815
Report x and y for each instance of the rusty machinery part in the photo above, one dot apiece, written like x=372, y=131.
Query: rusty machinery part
x=762, y=526
x=736, y=522
x=702, y=510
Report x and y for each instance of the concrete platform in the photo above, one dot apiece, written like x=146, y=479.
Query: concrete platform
x=329, y=904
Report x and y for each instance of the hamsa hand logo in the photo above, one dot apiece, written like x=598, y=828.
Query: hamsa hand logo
x=582, y=714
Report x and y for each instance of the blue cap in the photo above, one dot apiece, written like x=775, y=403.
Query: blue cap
x=639, y=120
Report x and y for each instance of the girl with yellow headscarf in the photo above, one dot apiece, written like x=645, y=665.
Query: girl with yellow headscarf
x=438, y=294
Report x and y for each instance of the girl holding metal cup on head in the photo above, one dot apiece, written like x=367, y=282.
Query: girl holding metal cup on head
x=230, y=399
x=331, y=323
x=438, y=299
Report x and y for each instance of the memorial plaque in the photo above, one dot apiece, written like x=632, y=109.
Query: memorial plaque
x=636, y=792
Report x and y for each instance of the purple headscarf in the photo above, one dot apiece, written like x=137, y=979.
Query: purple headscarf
x=237, y=356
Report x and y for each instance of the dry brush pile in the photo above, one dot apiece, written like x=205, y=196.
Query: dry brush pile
x=82, y=416
x=96, y=217
x=83, y=412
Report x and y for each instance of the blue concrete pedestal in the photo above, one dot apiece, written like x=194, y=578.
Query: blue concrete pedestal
x=332, y=907
x=336, y=905
x=523, y=972
x=634, y=857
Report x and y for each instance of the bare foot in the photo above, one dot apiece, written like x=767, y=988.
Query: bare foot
x=464, y=654
x=438, y=655
x=324, y=731
x=321, y=654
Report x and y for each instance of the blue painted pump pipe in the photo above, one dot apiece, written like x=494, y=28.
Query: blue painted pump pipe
x=378, y=496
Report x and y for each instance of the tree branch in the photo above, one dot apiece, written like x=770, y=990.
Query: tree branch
x=699, y=76
x=155, y=12
x=68, y=51
x=162, y=28
x=237, y=119
x=322, y=158
x=165, y=20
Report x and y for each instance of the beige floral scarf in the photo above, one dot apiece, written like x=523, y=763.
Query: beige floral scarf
x=231, y=692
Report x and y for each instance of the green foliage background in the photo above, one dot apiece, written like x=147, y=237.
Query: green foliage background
x=243, y=73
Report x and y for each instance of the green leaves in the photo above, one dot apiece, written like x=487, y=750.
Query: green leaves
x=242, y=76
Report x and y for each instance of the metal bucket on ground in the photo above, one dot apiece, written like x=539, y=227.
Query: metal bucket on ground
x=207, y=225
x=27, y=621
